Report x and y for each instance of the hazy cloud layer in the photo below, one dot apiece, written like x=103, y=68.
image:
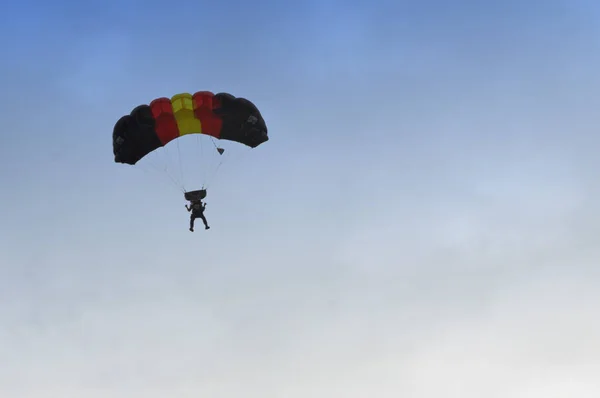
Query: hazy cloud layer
x=423, y=222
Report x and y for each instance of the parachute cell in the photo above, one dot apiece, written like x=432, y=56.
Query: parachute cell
x=222, y=116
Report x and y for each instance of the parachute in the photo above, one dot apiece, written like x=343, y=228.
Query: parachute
x=219, y=116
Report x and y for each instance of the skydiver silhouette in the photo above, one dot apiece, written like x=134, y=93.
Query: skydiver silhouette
x=197, y=209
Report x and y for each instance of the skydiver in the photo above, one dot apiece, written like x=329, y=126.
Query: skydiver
x=197, y=209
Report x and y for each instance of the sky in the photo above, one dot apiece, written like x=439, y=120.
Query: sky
x=423, y=221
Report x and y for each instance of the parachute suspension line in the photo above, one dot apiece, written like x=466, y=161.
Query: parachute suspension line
x=214, y=173
x=197, y=155
x=238, y=156
x=212, y=139
x=157, y=169
x=180, y=164
x=201, y=161
x=152, y=162
x=174, y=180
x=212, y=176
x=165, y=166
x=176, y=184
x=167, y=161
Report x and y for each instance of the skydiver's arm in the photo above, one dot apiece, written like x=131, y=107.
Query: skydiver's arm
x=188, y=208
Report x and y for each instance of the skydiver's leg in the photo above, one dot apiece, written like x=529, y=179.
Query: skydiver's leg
x=204, y=221
x=192, y=218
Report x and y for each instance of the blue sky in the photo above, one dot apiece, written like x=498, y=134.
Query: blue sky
x=423, y=220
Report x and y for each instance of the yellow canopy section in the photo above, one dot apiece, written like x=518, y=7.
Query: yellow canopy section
x=183, y=110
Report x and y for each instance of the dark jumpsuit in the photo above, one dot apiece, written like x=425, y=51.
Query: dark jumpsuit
x=197, y=209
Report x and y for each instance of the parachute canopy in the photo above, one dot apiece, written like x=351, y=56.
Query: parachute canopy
x=222, y=116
